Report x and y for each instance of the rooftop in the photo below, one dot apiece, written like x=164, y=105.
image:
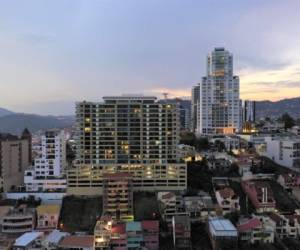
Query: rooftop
x=48, y=209
x=27, y=238
x=248, y=225
x=77, y=241
x=222, y=227
x=55, y=236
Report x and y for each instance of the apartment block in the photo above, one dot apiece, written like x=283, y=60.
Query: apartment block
x=284, y=151
x=15, y=157
x=47, y=217
x=118, y=196
x=132, y=134
x=19, y=220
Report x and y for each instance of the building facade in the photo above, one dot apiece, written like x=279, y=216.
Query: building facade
x=118, y=196
x=133, y=134
x=48, y=171
x=284, y=151
x=195, y=107
x=15, y=157
x=219, y=103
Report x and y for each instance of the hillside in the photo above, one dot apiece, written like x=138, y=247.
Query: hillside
x=4, y=112
x=276, y=109
x=15, y=123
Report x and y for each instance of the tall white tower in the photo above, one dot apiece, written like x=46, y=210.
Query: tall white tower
x=219, y=102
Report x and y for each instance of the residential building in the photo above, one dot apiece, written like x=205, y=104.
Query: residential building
x=150, y=229
x=219, y=103
x=181, y=226
x=286, y=225
x=199, y=207
x=222, y=232
x=18, y=220
x=289, y=180
x=103, y=233
x=256, y=230
x=228, y=200
x=118, y=196
x=47, y=173
x=231, y=142
x=51, y=241
x=284, y=151
x=77, y=242
x=29, y=241
x=47, y=217
x=15, y=157
x=167, y=205
x=184, y=107
x=260, y=194
x=109, y=234
x=195, y=101
x=133, y=134
x=248, y=111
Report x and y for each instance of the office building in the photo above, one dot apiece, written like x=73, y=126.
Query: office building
x=219, y=103
x=15, y=157
x=132, y=134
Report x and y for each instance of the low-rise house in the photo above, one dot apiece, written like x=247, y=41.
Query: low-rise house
x=77, y=242
x=231, y=142
x=168, y=205
x=260, y=194
x=228, y=200
x=51, y=241
x=30, y=240
x=181, y=226
x=198, y=208
x=289, y=181
x=19, y=220
x=47, y=216
x=221, y=232
x=186, y=152
x=286, y=225
x=255, y=230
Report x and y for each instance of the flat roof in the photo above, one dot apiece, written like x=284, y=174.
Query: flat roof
x=222, y=227
x=55, y=236
x=27, y=238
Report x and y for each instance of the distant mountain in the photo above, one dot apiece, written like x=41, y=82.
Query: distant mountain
x=15, y=123
x=4, y=112
x=276, y=109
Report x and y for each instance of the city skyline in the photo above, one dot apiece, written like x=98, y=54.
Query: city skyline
x=92, y=49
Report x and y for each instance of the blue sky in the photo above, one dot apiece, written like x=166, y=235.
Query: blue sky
x=56, y=52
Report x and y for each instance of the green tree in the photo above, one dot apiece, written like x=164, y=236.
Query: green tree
x=287, y=120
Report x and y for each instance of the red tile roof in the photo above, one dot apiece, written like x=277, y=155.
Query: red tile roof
x=77, y=241
x=249, y=225
x=152, y=225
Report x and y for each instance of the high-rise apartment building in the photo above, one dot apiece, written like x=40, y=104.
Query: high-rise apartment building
x=14, y=159
x=195, y=107
x=248, y=111
x=133, y=134
x=219, y=104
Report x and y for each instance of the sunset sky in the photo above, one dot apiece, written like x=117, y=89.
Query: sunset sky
x=56, y=52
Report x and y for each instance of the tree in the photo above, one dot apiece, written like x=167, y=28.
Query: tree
x=287, y=120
